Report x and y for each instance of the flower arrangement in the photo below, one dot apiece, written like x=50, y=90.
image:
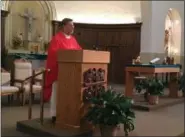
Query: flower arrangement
x=16, y=42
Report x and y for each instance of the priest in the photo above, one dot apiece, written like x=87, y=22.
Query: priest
x=65, y=41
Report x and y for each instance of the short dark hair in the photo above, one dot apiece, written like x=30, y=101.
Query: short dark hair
x=65, y=21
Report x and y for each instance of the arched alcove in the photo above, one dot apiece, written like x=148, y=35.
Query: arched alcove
x=47, y=4
x=44, y=12
x=172, y=43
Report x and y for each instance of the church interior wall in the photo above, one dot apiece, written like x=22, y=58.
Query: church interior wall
x=155, y=40
x=106, y=12
x=43, y=12
x=158, y=22
x=152, y=14
x=17, y=11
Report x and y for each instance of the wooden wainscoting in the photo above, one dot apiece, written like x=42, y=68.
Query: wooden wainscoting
x=122, y=40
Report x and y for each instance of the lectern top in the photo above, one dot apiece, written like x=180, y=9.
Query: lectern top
x=83, y=56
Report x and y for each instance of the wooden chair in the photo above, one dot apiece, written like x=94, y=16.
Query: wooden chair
x=22, y=72
x=6, y=89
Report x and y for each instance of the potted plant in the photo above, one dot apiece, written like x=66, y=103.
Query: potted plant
x=110, y=109
x=155, y=88
x=182, y=83
x=142, y=85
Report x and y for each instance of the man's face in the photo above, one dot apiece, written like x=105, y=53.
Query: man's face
x=69, y=28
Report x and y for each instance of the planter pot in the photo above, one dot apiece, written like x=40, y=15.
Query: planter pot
x=153, y=99
x=108, y=131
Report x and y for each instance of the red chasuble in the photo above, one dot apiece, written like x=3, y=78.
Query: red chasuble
x=59, y=41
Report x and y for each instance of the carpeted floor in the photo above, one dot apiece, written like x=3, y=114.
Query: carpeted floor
x=164, y=122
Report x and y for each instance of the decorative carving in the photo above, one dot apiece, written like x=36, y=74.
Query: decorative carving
x=28, y=15
x=40, y=38
x=168, y=60
x=17, y=41
x=46, y=45
x=165, y=61
x=92, y=91
x=137, y=60
x=168, y=41
x=94, y=75
x=94, y=80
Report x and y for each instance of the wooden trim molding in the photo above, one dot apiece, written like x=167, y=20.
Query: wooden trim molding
x=56, y=26
x=4, y=13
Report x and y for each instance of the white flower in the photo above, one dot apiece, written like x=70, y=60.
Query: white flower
x=132, y=101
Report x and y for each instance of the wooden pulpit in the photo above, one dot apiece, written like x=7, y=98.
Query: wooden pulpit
x=71, y=104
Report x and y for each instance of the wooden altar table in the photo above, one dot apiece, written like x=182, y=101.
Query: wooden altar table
x=149, y=69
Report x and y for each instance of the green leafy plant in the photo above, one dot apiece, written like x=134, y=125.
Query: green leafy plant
x=141, y=85
x=16, y=42
x=153, y=86
x=111, y=108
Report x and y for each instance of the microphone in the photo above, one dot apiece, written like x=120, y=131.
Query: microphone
x=95, y=47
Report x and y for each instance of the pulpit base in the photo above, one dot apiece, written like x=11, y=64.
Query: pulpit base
x=34, y=127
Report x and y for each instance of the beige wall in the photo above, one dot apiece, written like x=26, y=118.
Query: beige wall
x=158, y=22
x=99, y=11
x=152, y=14
x=152, y=32
x=18, y=22
x=152, y=39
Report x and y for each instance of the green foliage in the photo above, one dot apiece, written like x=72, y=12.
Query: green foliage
x=141, y=85
x=153, y=86
x=182, y=83
x=16, y=42
x=111, y=108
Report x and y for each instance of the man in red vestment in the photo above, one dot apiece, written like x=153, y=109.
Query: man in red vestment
x=62, y=40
